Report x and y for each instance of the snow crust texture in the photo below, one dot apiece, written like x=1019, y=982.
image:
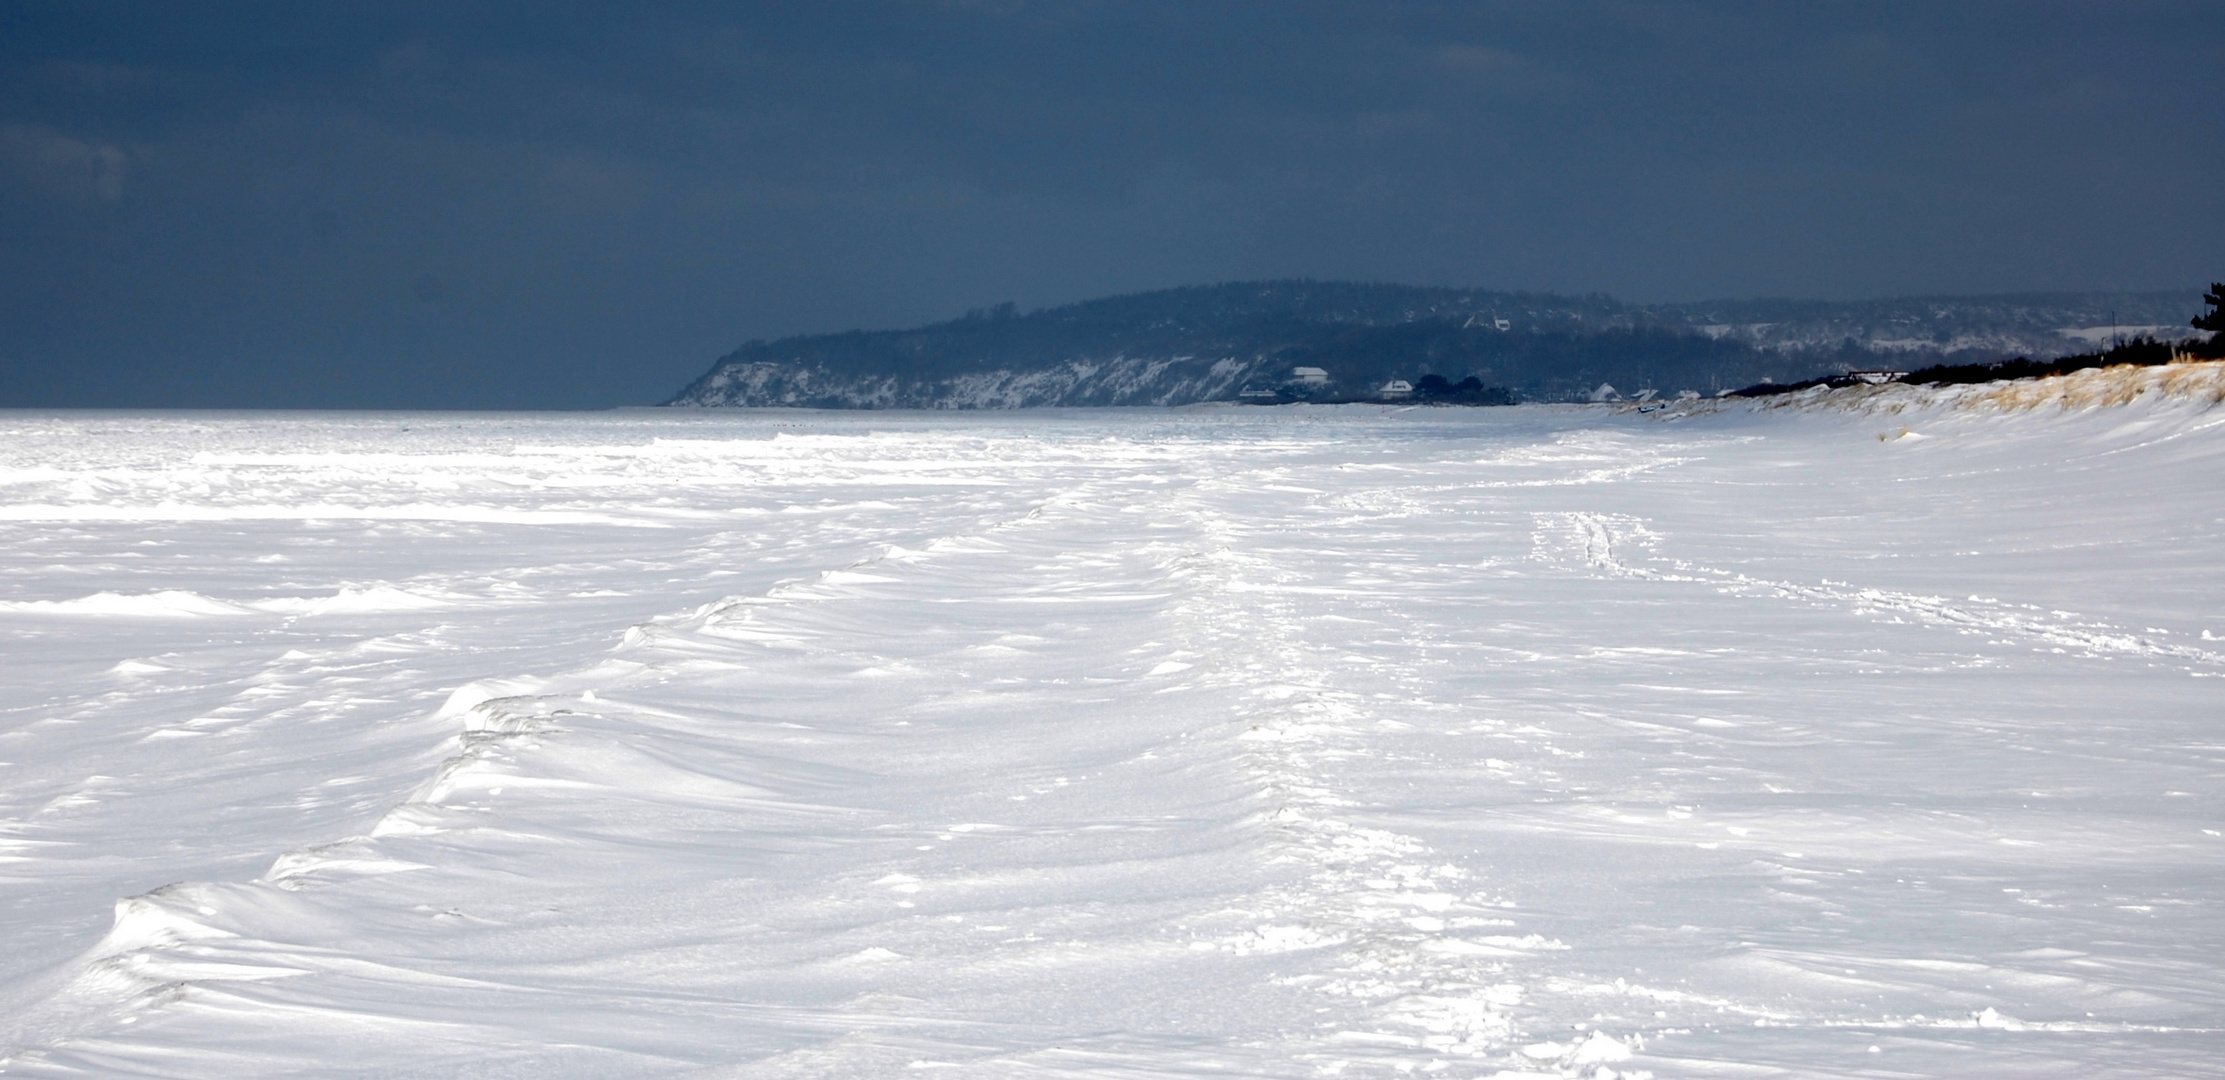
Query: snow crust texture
x=1296, y=742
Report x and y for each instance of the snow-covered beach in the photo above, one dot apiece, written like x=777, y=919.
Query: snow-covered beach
x=1297, y=742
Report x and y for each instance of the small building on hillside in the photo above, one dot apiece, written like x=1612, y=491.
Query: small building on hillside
x=1310, y=376
x=1396, y=388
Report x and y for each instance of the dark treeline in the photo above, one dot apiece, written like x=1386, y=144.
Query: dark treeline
x=2143, y=351
x=2140, y=350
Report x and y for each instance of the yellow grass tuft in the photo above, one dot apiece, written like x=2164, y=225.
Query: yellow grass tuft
x=2201, y=381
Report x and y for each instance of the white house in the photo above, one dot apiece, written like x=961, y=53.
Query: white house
x=1396, y=388
x=1311, y=376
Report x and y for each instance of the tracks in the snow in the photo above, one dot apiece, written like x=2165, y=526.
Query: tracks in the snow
x=1623, y=546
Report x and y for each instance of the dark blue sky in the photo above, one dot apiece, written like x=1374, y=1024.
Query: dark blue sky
x=495, y=205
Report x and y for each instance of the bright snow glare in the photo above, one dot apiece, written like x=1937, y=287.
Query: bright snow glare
x=1536, y=741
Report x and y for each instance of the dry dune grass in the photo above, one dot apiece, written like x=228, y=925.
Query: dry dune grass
x=2202, y=382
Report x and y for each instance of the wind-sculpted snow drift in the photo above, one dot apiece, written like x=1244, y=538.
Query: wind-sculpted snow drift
x=1774, y=740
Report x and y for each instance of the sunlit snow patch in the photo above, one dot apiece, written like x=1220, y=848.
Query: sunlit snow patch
x=168, y=604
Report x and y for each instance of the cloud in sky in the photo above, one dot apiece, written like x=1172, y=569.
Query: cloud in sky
x=63, y=167
x=244, y=205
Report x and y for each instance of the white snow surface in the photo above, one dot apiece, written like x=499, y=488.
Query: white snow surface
x=1295, y=742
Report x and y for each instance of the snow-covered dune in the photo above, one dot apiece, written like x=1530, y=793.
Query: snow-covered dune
x=1543, y=741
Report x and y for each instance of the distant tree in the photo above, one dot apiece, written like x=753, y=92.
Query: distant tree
x=2214, y=322
x=2214, y=319
x=1468, y=391
x=1006, y=310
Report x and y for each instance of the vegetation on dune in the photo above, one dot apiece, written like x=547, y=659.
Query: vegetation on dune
x=2139, y=351
x=2213, y=321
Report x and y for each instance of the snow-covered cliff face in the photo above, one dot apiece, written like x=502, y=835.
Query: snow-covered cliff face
x=1119, y=381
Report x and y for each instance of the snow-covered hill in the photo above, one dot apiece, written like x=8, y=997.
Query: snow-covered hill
x=1352, y=741
x=1183, y=346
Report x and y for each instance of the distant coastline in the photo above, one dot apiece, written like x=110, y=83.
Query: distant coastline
x=1289, y=341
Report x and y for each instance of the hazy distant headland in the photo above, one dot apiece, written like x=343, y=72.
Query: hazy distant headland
x=1276, y=341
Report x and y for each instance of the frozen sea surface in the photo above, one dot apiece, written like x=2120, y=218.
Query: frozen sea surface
x=1272, y=742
